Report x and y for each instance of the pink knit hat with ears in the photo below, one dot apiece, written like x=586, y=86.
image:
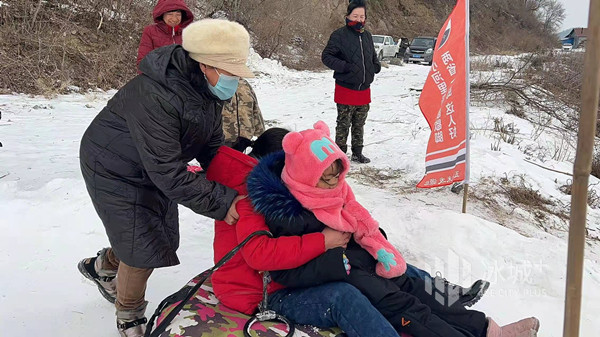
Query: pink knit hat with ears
x=308, y=154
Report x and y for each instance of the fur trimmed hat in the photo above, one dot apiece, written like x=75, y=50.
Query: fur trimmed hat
x=309, y=153
x=219, y=43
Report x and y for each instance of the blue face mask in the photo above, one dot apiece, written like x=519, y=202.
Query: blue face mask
x=226, y=86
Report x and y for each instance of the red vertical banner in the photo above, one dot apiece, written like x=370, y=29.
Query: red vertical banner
x=444, y=103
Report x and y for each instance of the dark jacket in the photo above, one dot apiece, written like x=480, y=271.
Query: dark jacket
x=352, y=57
x=134, y=157
x=159, y=34
x=403, y=301
x=285, y=216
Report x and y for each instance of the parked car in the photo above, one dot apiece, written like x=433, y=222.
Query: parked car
x=567, y=47
x=384, y=46
x=420, y=50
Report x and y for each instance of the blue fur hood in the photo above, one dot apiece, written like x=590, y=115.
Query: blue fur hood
x=269, y=196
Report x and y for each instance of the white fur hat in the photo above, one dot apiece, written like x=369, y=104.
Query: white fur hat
x=219, y=43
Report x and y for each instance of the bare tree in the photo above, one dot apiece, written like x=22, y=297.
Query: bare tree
x=551, y=14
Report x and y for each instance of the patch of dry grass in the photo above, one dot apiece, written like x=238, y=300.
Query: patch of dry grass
x=380, y=178
x=593, y=200
x=522, y=194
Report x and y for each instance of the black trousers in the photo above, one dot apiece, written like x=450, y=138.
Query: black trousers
x=410, y=305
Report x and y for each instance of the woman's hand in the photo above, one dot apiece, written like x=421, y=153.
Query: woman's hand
x=334, y=239
x=232, y=215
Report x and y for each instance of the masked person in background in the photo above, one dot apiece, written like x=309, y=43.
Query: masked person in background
x=350, y=52
x=134, y=159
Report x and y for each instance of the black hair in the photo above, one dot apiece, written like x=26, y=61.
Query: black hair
x=339, y=166
x=354, y=4
x=270, y=141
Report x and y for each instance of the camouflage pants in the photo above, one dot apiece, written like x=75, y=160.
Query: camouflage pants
x=350, y=116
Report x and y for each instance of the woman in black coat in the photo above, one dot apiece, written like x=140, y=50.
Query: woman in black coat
x=350, y=52
x=134, y=159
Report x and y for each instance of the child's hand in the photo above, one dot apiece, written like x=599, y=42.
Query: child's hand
x=335, y=238
x=389, y=265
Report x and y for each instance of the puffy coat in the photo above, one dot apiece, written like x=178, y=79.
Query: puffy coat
x=238, y=283
x=395, y=298
x=285, y=216
x=160, y=34
x=134, y=155
x=352, y=57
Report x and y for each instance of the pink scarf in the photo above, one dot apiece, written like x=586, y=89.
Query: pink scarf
x=338, y=209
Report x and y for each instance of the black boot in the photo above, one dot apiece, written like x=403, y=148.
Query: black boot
x=357, y=155
x=473, y=294
x=344, y=147
x=466, y=296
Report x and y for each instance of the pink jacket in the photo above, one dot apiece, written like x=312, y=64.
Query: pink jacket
x=160, y=34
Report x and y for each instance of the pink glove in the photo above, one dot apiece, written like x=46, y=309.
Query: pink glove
x=390, y=262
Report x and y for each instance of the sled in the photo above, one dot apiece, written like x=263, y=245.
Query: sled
x=195, y=311
x=203, y=315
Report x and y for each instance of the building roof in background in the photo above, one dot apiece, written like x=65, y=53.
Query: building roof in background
x=581, y=32
x=569, y=34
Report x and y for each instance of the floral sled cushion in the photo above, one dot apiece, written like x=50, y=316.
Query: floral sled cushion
x=203, y=315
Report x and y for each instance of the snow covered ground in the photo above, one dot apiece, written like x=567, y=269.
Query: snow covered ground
x=47, y=222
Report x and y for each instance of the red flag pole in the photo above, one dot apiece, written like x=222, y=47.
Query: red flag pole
x=468, y=105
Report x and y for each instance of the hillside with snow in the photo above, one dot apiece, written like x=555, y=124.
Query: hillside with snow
x=48, y=223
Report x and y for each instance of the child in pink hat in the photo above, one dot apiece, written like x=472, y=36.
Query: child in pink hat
x=315, y=170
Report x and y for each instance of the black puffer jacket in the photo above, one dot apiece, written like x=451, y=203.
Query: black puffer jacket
x=134, y=158
x=352, y=57
x=398, y=299
x=285, y=216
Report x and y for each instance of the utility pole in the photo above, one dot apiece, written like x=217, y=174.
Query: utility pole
x=581, y=174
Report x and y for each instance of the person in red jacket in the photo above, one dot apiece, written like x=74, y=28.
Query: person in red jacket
x=238, y=283
x=170, y=17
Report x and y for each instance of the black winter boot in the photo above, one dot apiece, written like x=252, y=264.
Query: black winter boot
x=344, y=148
x=473, y=294
x=358, y=157
x=466, y=296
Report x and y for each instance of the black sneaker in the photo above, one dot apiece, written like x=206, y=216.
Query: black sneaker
x=465, y=296
x=473, y=294
x=360, y=158
x=107, y=285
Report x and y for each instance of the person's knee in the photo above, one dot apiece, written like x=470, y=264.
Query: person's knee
x=345, y=293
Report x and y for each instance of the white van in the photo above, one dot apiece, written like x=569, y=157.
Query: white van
x=385, y=46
